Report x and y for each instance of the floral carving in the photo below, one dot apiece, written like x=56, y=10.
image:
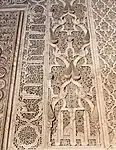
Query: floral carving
x=27, y=135
x=71, y=84
x=27, y=131
x=58, y=69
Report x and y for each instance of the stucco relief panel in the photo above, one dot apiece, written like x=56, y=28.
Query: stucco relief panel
x=8, y=33
x=73, y=116
x=26, y=123
x=56, y=102
x=104, y=13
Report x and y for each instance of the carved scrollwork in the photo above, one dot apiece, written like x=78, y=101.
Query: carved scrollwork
x=29, y=125
x=58, y=70
x=28, y=117
x=72, y=99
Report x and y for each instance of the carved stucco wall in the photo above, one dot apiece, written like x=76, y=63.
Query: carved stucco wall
x=57, y=74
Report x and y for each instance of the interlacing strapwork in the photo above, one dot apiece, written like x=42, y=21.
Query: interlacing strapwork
x=72, y=108
x=105, y=23
x=57, y=74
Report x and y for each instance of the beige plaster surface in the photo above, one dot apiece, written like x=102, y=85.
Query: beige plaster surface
x=57, y=75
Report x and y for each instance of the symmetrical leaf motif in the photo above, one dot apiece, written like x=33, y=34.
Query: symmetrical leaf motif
x=72, y=100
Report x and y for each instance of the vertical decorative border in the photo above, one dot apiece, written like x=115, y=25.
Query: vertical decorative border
x=100, y=102
x=33, y=30
x=46, y=75
x=100, y=98
x=99, y=90
x=16, y=62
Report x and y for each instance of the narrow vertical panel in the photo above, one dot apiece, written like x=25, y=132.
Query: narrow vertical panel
x=105, y=27
x=26, y=122
x=73, y=115
x=9, y=23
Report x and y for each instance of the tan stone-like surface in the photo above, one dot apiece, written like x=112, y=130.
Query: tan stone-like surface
x=57, y=75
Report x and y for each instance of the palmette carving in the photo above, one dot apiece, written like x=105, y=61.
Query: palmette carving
x=73, y=106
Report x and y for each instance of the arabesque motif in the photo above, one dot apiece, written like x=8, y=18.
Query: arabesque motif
x=73, y=114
